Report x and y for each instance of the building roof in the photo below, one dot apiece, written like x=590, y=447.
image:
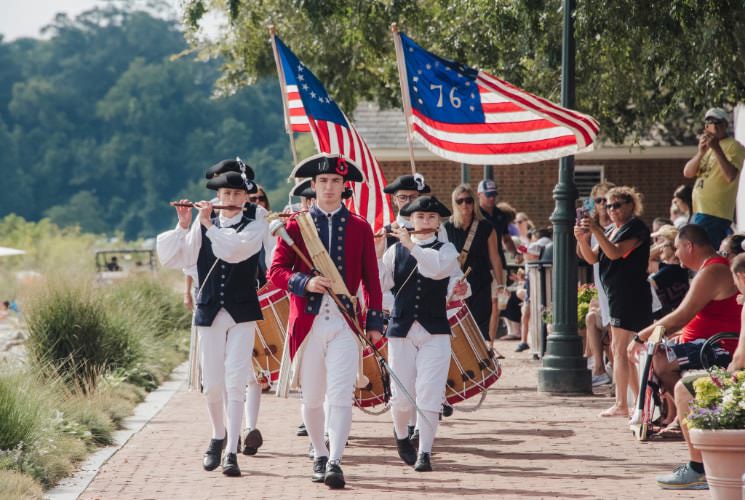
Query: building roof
x=381, y=129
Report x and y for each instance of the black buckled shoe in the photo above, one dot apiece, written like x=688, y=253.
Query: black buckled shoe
x=230, y=465
x=301, y=430
x=211, y=458
x=334, y=476
x=319, y=469
x=252, y=442
x=423, y=463
x=406, y=450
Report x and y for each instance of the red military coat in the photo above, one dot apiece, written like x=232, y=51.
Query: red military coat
x=352, y=249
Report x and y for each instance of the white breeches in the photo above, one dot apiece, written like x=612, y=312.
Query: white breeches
x=421, y=361
x=330, y=358
x=225, y=353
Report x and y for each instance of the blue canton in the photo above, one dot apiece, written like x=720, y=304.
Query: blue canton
x=441, y=89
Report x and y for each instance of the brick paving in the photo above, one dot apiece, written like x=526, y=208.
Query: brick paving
x=519, y=444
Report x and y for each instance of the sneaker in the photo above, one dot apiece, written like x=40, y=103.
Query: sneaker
x=601, y=379
x=301, y=430
x=522, y=346
x=683, y=478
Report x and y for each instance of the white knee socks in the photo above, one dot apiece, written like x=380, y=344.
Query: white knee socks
x=427, y=431
x=401, y=420
x=339, y=425
x=253, y=401
x=235, y=419
x=216, y=411
x=314, y=423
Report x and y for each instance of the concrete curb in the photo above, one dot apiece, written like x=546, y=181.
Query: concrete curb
x=72, y=487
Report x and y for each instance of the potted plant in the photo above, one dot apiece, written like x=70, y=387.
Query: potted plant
x=717, y=428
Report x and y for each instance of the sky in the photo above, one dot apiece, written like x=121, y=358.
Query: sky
x=25, y=18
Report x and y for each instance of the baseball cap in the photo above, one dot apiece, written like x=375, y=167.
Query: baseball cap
x=716, y=114
x=487, y=186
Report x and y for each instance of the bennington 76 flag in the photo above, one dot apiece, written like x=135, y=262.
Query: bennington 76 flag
x=470, y=116
x=310, y=109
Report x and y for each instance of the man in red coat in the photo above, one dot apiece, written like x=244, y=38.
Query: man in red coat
x=323, y=346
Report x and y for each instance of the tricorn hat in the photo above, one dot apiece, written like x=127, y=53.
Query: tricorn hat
x=328, y=163
x=232, y=180
x=425, y=204
x=229, y=166
x=409, y=182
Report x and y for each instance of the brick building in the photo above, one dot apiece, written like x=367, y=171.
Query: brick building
x=655, y=171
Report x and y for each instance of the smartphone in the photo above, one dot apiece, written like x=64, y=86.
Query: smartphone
x=582, y=212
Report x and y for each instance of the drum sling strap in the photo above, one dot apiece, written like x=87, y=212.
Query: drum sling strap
x=323, y=263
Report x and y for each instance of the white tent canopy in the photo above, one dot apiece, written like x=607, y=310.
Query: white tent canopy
x=5, y=252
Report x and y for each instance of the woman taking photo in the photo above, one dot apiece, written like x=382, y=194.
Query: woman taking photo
x=476, y=241
x=623, y=254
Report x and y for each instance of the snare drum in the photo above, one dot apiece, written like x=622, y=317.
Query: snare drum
x=271, y=331
x=473, y=368
x=374, y=393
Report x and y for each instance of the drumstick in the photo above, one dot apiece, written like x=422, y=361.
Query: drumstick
x=461, y=280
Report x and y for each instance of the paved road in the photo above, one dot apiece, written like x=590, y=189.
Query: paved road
x=519, y=444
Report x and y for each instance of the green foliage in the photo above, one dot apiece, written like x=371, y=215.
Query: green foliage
x=585, y=294
x=639, y=64
x=100, y=126
x=719, y=402
x=19, y=414
x=70, y=330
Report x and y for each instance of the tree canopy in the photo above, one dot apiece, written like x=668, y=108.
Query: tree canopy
x=642, y=67
x=100, y=127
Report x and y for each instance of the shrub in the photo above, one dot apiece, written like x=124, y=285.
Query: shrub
x=70, y=330
x=16, y=485
x=20, y=413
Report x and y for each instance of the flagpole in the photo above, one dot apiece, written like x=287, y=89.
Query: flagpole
x=283, y=88
x=405, y=99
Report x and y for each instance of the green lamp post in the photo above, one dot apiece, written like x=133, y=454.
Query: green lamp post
x=564, y=369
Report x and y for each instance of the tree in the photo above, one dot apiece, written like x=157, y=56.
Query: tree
x=642, y=67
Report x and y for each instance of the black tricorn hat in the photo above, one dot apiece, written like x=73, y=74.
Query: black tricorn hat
x=232, y=180
x=228, y=166
x=306, y=191
x=409, y=182
x=425, y=204
x=327, y=163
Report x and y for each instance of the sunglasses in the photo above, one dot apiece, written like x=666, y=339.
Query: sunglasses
x=254, y=199
x=616, y=205
x=403, y=198
x=600, y=201
x=467, y=201
x=713, y=120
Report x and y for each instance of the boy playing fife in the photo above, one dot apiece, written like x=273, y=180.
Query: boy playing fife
x=225, y=250
x=422, y=273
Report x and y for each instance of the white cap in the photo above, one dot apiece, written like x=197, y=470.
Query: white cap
x=716, y=114
x=487, y=186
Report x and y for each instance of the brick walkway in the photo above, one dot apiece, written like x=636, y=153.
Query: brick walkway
x=520, y=444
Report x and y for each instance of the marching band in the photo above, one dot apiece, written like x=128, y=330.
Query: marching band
x=321, y=315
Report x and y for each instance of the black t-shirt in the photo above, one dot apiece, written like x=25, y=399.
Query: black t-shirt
x=499, y=220
x=626, y=277
x=672, y=284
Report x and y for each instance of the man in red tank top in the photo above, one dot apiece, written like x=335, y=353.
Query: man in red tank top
x=709, y=307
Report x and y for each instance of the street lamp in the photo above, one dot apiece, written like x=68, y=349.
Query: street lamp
x=564, y=369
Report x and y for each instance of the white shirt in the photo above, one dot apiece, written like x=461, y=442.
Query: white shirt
x=179, y=247
x=431, y=263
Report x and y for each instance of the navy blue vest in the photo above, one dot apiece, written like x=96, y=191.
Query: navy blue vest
x=229, y=286
x=418, y=299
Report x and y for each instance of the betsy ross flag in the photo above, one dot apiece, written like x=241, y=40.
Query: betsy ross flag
x=470, y=116
x=310, y=109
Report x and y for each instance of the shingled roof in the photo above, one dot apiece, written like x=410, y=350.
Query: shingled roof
x=381, y=129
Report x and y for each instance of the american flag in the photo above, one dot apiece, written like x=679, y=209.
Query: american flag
x=310, y=109
x=470, y=116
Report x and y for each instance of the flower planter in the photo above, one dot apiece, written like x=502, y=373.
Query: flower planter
x=724, y=460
